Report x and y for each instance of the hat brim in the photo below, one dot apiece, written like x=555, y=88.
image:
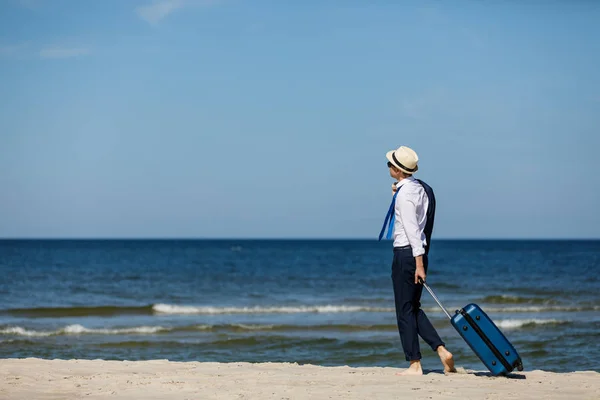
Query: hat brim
x=388, y=155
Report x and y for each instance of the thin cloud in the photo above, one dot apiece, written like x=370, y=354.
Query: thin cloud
x=160, y=9
x=63, y=52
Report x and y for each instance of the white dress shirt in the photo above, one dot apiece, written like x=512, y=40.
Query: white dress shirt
x=411, y=214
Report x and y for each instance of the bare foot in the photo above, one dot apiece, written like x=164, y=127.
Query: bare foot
x=447, y=359
x=413, y=369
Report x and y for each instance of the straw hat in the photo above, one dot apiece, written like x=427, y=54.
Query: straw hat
x=404, y=158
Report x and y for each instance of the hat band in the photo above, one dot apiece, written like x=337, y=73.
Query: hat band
x=401, y=165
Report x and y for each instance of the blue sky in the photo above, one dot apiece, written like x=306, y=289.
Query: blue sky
x=202, y=119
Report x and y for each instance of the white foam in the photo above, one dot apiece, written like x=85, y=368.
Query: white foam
x=175, y=309
x=546, y=308
x=79, y=329
x=519, y=323
x=509, y=297
x=17, y=330
x=253, y=327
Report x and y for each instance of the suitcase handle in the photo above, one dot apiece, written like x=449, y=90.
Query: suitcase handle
x=422, y=282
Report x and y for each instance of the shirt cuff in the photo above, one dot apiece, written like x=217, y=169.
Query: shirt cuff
x=418, y=251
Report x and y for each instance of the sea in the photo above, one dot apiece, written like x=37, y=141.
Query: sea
x=323, y=302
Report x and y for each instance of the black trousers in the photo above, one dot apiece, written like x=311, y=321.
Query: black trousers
x=412, y=321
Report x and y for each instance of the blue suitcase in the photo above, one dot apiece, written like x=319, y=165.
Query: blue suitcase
x=484, y=337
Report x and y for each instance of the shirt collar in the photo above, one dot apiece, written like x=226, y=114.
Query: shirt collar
x=403, y=181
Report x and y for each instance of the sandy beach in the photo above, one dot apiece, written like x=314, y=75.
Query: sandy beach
x=161, y=379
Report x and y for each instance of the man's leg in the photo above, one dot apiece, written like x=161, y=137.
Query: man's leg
x=403, y=277
x=424, y=326
x=427, y=331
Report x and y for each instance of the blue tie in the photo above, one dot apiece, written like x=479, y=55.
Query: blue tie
x=391, y=217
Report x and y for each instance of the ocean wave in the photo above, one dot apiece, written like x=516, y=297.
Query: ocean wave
x=112, y=311
x=510, y=299
x=271, y=343
x=286, y=328
x=546, y=309
x=176, y=309
x=527, y=323
x=83, y=311
x=77, y=329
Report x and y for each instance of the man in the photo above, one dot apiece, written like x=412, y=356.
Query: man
x=411, y=216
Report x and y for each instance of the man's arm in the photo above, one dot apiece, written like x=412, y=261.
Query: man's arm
x=408, y=216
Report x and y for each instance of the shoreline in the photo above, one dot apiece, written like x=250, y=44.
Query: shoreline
x=37, y=378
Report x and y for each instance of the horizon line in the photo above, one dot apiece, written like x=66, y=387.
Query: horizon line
x=157, y=238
